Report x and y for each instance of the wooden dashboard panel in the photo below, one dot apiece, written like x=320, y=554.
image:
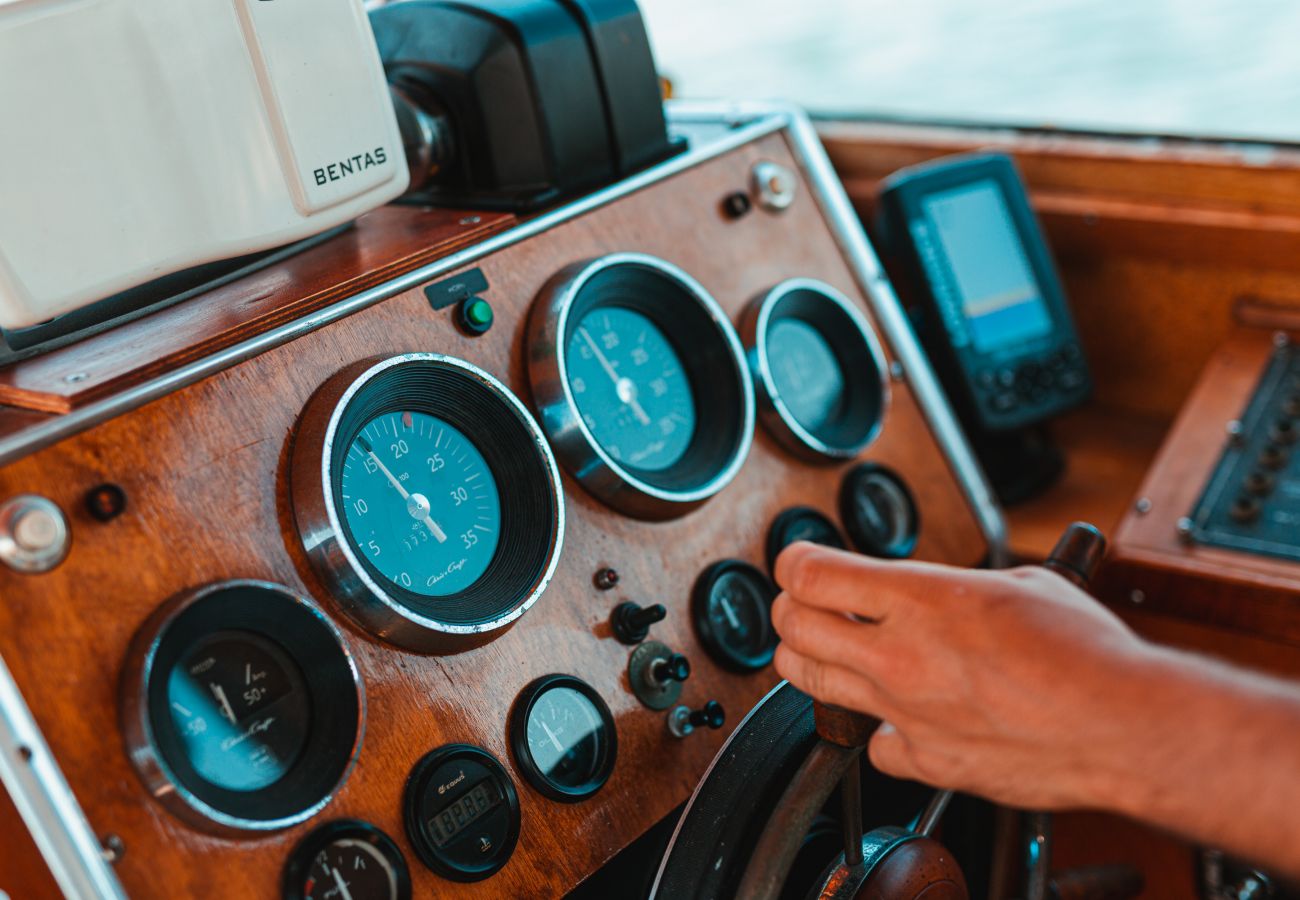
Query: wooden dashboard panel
x=1152, y=568
x=205, y=473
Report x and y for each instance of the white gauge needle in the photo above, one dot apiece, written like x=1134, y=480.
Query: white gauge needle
x=554, y=740
x=220, y=694
x=416, y=504
x=730, y=613
x=343, y=885
x=625, y=388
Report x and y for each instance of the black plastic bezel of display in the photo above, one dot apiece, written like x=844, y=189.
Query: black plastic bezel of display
x=412, y=795
x=862, y=541
x=714, y=645
x=529, y=515
x=313, y=646
x=300, y=860
x=519, y=715
x=776, y=532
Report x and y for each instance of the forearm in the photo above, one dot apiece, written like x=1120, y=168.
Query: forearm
x=1214, y=756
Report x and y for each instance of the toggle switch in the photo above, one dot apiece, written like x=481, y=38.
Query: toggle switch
x=631, y=621
x=683, y=720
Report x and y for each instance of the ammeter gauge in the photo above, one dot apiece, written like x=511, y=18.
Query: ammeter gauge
x=346, y=860
x=563, y=737
x=731, y=607
x=428, y=498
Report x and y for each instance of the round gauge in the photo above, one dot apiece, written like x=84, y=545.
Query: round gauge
x=818, y=368
x=629, y=357
x=221, y=721
x=346, y=860
x=878, y=512
x=800, y=523
x=462, y=812
x=731, y=607
x=563, y=737
x=428, y=499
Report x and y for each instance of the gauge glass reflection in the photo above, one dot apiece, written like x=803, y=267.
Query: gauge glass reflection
x=738, y=613
x=241, y=710
x=421, y=503
x=630, y=388
x=565, y=737
x=805, y=372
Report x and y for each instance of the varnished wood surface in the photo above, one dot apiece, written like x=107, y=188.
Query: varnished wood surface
x=384, y=244
x=204, y=470
x=1234, y=590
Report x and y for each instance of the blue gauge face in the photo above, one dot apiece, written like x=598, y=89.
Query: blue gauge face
x=240, y=709
x=630, y=388
x=805, y=372
x=566, y=738
x=421, y=503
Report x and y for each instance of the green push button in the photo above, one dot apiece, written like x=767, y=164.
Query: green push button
x=476, y=315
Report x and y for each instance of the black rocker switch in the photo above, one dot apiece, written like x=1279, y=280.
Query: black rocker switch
x=674, y=668
x=631, y=621
x=683, y=720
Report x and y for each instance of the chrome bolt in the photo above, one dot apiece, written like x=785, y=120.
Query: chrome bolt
x=1143, y=506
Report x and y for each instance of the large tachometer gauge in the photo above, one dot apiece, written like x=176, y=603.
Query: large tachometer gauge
x=428, y=499
x=641, y=384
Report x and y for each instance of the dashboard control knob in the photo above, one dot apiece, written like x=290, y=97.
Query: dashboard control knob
x=34, y=534
x=631, y=621
x=674, y=668
x=683, y=720
x=773, y=186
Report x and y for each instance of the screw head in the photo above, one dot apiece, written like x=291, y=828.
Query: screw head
x=1143, y=506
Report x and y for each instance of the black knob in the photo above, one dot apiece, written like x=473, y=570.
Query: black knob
x=671, y=668
x=631, y=621
x=710, y=715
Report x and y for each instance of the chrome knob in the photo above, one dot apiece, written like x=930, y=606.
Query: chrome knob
x=34, y=534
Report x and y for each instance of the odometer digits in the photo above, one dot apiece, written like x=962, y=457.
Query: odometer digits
x=421, y=503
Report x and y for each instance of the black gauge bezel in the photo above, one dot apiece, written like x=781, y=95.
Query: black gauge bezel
x=711, y=355
x=859, y=356
x=863, y=542
x=417, y=782
x=516, y=453
x=299, y=863
x=776, y=532
x=312, y=644
x=519, y=715
x=714, y=644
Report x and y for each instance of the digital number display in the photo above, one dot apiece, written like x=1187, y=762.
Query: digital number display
x=453, y=819
x=998, y=294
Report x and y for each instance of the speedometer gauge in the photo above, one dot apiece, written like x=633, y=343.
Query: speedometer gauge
x=818, y=369
x=428, y=499
x=641, y=384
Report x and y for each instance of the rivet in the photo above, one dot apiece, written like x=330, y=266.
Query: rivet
x=896, y=370
x=1184, y=529
x=1138, y=597
x=1143, y=506
x=113, y=848
x=605, y=579
x=471, y=220
x=76, y=377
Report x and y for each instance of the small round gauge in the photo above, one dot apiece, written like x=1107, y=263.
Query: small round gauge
x=878, y=512
x=563, y=737
x=818, y=368
x=221, y=721
x=428, y=499
x=629, y=359
x=346, y=860
x=462, y=812
x=800, y=523
x=731, y=607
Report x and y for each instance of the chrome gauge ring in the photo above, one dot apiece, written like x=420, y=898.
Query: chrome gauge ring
x=427, y=499
x=241, y=707
x=818, y=368
x=641, y=384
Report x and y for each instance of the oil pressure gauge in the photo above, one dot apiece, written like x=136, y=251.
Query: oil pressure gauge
x=346, y=860
x=731, y=606
x=428, y=499
x=563, y=737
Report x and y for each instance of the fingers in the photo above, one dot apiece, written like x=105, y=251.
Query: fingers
x=849, y=583
x=828, y=636
x=830, y=683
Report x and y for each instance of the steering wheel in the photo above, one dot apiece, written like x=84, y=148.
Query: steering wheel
x=744, y=826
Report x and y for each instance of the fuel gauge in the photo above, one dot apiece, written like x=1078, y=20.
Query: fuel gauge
x=347, y=860
x=731, y=607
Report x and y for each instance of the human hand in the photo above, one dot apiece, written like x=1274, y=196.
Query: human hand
x=1014, y=685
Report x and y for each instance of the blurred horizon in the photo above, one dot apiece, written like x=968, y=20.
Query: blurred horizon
x=1212, y=68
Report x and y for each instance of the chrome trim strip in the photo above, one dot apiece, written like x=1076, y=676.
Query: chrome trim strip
x=29, y=440
x=46, y=803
